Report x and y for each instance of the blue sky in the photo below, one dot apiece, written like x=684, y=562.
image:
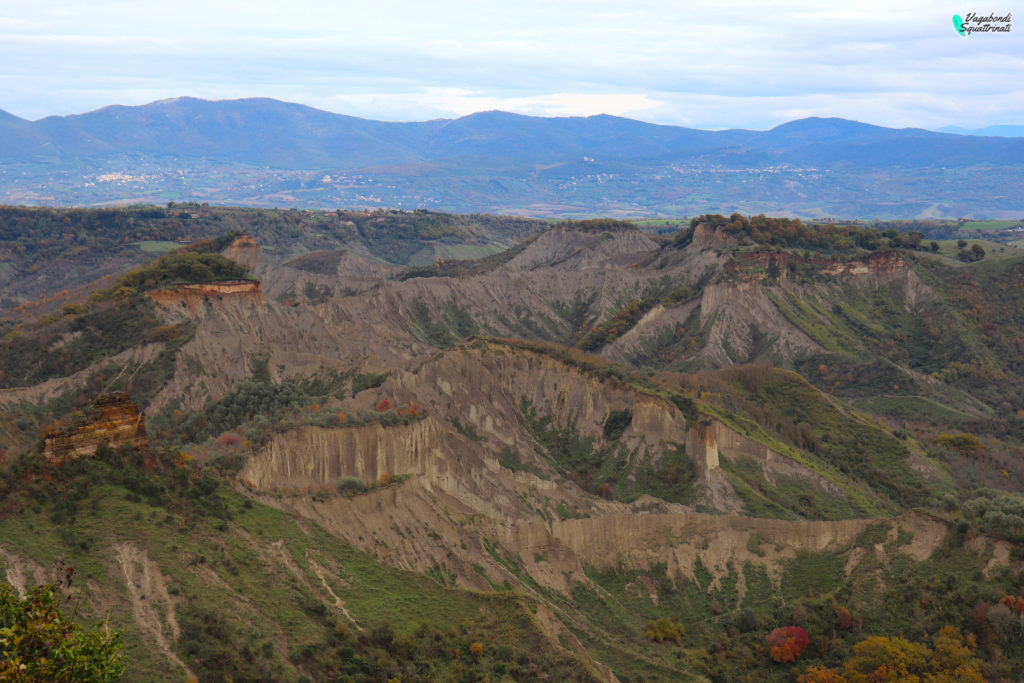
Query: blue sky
x=683, y=63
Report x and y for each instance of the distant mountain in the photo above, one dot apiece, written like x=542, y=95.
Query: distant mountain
x=261, y=131
x=991, y=131
x=497, y=161
x=286, y=135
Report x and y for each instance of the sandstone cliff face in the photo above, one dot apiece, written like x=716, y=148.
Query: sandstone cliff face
x=733, y=445
x=879, y=263
x=482, y=390
x=739, y=316
x=245, y=250
x=464, y=513
x=191, y=297
x=706, y=236
x=458, y=503
x=115, y=421
x=735, y=314
x=486, y=386
x=316, y=457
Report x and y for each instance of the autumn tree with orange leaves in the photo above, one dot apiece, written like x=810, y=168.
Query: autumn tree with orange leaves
x=788, y=643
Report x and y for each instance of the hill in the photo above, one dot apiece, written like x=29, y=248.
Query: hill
x=264, y=152
x=755, y=447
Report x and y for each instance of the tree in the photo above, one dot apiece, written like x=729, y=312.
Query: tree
x=664, y=629
x=38, y=643
x=788, y=643
x=897, y=659
x=963, y=444
x=954, y=658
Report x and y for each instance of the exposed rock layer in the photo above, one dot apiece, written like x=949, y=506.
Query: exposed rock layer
x=115, y=421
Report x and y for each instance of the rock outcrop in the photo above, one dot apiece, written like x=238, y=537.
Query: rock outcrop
x=192, y=296
x=884, y=263
x=702, y=446
x=114, y=421
x=245, y=250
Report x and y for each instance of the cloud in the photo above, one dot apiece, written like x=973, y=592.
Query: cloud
x=454, y=102
x=698, y=63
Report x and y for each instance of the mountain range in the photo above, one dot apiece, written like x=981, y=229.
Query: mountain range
x=266, y=152
x=991, y=131
x=286, y=135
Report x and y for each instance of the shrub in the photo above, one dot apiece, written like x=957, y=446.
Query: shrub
x=41, y=644
x=788, y=643
x=350, y=486
x=663, y=629
x=746, y=621
x=616, y=423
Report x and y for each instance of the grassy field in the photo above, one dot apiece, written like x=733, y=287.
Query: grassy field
x=994, y=251
x=154, y=246
x=909, y=407
x=988, y=225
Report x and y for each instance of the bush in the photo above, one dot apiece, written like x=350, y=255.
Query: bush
x=664, y=629
x=350, y=486
x=788, y=643
x=41, y=644
x=616, y=423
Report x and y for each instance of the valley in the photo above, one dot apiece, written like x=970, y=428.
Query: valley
x=419, y=446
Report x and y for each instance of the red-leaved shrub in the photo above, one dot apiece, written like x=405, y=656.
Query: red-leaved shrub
x=788, y=643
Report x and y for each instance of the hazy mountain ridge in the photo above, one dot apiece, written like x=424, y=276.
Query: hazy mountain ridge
x=265, y=152
x=1005, y=131
x=286, y=135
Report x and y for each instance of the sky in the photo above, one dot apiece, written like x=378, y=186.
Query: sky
x=696, y=64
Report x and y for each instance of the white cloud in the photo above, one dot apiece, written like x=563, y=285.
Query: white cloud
x=696, y=62
x=454, y=102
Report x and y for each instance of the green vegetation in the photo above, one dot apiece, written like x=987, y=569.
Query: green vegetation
x=156, y=246
x=793, y=233
x=660, y=630
x=988, y=225
x=611, y=470
x=468, y=267
x=362, y=381
x=471, y=651
x=318, y=262
x=73, y=343
x=932, y=351
x=798, y=414
x=943, y=604
x=40, y=643
x=616, y=423
x=996, y=513
x=42, y=234
x=450, y=325
x=258, y=408
x=215, y=551
x=173, y=269
x=625, y=319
